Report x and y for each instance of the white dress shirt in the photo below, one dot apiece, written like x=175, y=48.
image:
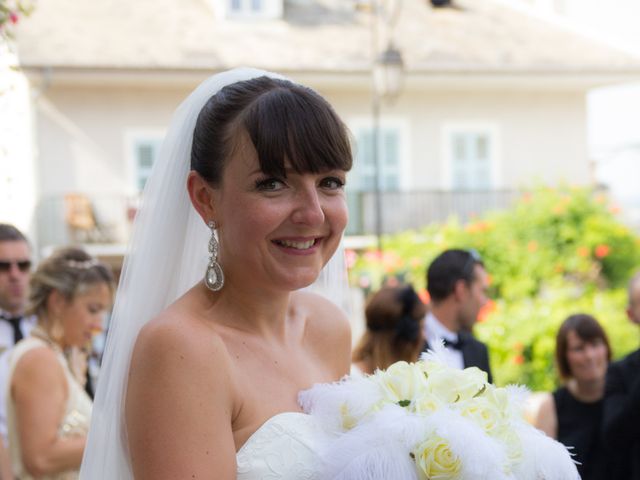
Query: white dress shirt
x=436, y=332
x=6, y=345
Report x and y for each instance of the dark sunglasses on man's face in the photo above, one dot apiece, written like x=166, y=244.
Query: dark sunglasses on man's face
x=23, y=265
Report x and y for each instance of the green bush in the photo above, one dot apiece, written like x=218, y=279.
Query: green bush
x=555, y=253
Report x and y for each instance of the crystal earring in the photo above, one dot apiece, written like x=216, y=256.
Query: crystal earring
x=213, y=278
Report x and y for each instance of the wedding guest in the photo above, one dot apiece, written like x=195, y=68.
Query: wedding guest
x=394, y=318
x=48, y=409
x=621, y=426
x=457, y=283
x=212, y=383
x=573, y=413
x=15, y=268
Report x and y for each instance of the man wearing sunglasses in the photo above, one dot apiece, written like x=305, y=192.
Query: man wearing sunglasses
x=457, y=284
x=15, y=267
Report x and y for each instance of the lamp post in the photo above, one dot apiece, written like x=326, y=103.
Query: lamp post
x=387, y=81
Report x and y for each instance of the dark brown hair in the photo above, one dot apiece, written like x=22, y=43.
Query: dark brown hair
x=283, y=120
x=449, y=267
x=9, y=233
x=588, y=330
x=394, y=318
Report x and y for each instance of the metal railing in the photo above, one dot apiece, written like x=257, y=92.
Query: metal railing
x=415, y=209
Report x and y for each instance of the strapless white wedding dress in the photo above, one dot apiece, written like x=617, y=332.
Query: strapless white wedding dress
x=285, y=447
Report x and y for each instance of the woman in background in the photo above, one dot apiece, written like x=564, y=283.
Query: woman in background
x=573, y=413
x=394, y=317
x=48, y=408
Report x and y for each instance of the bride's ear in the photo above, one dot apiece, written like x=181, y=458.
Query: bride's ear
x=201, y=195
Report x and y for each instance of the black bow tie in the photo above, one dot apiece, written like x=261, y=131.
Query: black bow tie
x=456, y=345
x=15, y=324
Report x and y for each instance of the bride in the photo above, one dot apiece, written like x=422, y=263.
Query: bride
x=201, y=378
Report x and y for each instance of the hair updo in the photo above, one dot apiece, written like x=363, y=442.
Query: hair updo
x=283, y=120
x=70, y=271
x=394, y=318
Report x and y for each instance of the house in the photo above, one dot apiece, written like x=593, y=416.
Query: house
x=493, y=101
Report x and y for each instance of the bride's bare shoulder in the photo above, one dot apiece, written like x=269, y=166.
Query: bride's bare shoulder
x=180, y=333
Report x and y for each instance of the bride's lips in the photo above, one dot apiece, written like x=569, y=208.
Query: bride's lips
x=298, y=245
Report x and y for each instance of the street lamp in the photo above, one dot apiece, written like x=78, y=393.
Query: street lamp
x=387, y=83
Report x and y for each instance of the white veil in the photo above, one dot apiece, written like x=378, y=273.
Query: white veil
x=167, y=255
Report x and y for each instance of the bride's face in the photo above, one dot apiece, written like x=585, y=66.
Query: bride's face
x=280, y=231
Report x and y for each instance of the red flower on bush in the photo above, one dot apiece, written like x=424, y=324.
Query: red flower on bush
x=583, y=251
x=518, y=359
x=486, y=310
x=602, y=250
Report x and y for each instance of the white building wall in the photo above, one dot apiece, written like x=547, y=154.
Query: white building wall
x=18, y=184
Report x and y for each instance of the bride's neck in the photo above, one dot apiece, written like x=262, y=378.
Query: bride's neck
x=261, y=312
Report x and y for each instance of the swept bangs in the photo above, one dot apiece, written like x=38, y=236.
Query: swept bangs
x=294, y=124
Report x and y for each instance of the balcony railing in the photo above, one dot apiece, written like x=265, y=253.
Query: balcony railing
x=415, y=209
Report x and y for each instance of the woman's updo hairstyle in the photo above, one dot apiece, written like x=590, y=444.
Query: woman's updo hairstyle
x=283, y=120
x=394, y=318
x=68, y=270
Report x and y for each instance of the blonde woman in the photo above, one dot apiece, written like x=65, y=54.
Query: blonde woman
x=48, y=409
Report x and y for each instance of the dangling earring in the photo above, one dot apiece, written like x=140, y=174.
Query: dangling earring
x=213, y=278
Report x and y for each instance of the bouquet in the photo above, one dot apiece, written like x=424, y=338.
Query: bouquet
x=427, y=420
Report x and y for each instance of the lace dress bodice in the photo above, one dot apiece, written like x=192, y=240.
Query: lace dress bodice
x=76, y=418
x=285, y=447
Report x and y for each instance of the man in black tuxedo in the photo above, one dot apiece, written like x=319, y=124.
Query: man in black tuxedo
x=621, y=418
x=457, y=284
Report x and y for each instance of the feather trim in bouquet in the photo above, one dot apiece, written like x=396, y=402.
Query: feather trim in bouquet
x=427, y=420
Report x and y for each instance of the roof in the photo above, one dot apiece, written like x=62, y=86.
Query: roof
x=314, y=36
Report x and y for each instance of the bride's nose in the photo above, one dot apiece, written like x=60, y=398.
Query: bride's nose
x=308, y=207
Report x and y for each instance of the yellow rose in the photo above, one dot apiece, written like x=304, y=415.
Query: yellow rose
x=401, y=382
x=453, y=385
x=435, y=460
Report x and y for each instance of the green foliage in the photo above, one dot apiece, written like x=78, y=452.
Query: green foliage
x=555, y=253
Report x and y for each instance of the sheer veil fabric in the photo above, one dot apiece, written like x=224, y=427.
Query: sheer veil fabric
x=167, y=255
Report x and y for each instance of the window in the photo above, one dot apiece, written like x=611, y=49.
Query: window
x=393, y=159
x=254, y=9
x=471, y=157
x=144, y=149
x=364, y=173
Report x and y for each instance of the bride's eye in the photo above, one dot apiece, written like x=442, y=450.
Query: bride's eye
x=332, y=183
x=270, y=184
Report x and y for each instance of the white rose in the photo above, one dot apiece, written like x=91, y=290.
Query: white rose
x=426, y=403
x=453, y=385
x=401, y=382
x=485, y=413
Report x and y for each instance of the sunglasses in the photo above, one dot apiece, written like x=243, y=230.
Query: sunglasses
x=23, y=265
